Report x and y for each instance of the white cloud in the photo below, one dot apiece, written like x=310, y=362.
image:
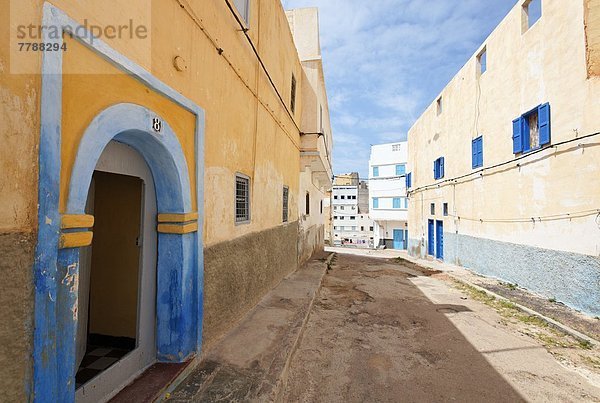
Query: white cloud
x=386, y=60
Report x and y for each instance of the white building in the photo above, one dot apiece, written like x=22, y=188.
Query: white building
x=350, y=227
x=387, y=188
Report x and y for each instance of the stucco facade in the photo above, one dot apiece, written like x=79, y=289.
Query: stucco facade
x=351, y=227
x=388, y=205
x=516, y=192
x=316, y=135
x=196, y=102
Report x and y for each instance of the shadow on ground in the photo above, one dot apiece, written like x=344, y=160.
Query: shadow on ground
x=374, y=336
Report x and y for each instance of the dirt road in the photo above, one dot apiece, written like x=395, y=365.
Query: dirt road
x=382, y=332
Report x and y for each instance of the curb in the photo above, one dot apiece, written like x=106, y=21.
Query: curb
x=560, y=326
x=276, y=394
x=557, y=325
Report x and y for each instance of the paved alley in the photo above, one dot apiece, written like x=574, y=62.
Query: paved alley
x=381, y=331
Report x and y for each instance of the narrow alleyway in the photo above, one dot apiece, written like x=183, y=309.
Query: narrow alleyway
x=380, y=331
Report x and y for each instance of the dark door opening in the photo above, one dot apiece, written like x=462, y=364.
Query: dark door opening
x=110, y=275
x=439, y=241
x=430, y=238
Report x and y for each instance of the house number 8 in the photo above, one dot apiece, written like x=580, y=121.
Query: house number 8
x=157, y=125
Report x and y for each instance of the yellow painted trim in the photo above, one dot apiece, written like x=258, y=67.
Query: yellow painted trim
x=76, y=239
x=70, y=221
x=170, y=217
x=178, y=228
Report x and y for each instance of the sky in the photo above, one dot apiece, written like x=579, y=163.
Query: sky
x=385, y=61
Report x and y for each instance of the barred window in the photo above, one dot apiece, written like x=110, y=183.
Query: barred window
x=286, y=196
x=242, y=199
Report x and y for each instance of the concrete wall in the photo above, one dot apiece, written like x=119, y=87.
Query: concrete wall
x=16, y=301
x=540, y=269
x=238, y=273
x=247, y=130
x=521, y=202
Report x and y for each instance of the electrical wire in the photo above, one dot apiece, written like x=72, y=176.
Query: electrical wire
x=553, y=217
x=482, y=170
x=262, y=64
x=222, y=53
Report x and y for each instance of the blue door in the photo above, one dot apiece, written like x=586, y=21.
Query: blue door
x=398, y=239
x=430, y=238
x=439, y=240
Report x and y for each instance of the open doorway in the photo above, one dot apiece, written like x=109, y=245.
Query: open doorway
x=116, y=327
x=110, y=275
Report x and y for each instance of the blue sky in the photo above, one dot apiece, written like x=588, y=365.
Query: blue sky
x=386, y=61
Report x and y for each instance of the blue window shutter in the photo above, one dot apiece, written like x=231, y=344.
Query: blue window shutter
x=544, y=122
x=435, y=169
x=480, y=152
x=474, y=153
x=396, y=202
x=375, y=171
x=375, y=202
x=441, y=167
x=517, y=135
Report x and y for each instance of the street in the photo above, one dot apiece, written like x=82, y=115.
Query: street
x=381, y=331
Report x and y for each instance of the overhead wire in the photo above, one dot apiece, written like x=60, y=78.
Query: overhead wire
x=501, y=164
x=222, y=53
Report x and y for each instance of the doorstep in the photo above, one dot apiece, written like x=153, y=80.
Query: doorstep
x=151, y=384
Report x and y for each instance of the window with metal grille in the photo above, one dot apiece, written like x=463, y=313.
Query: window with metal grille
x=293, y=98
x=242, y=199
x=286, y=196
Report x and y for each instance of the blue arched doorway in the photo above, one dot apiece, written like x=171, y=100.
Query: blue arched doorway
x=178, y=271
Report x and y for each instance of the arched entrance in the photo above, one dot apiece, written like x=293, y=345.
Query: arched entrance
x=178, y=278
x=116, y=335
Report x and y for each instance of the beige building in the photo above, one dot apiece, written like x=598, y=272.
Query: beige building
x=316, y=135
x=160, y=174
x=350, y=179
x=503, y=165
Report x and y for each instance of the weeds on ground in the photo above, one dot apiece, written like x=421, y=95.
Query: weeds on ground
x=510, y=313
x=511, y=286
x=594, y=362
x=331, y=262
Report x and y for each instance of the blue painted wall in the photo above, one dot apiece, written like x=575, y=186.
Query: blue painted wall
x=540, y=270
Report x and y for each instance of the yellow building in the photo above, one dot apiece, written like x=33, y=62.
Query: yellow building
x=350, y=179
x=503, y=165
x=156, y=156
